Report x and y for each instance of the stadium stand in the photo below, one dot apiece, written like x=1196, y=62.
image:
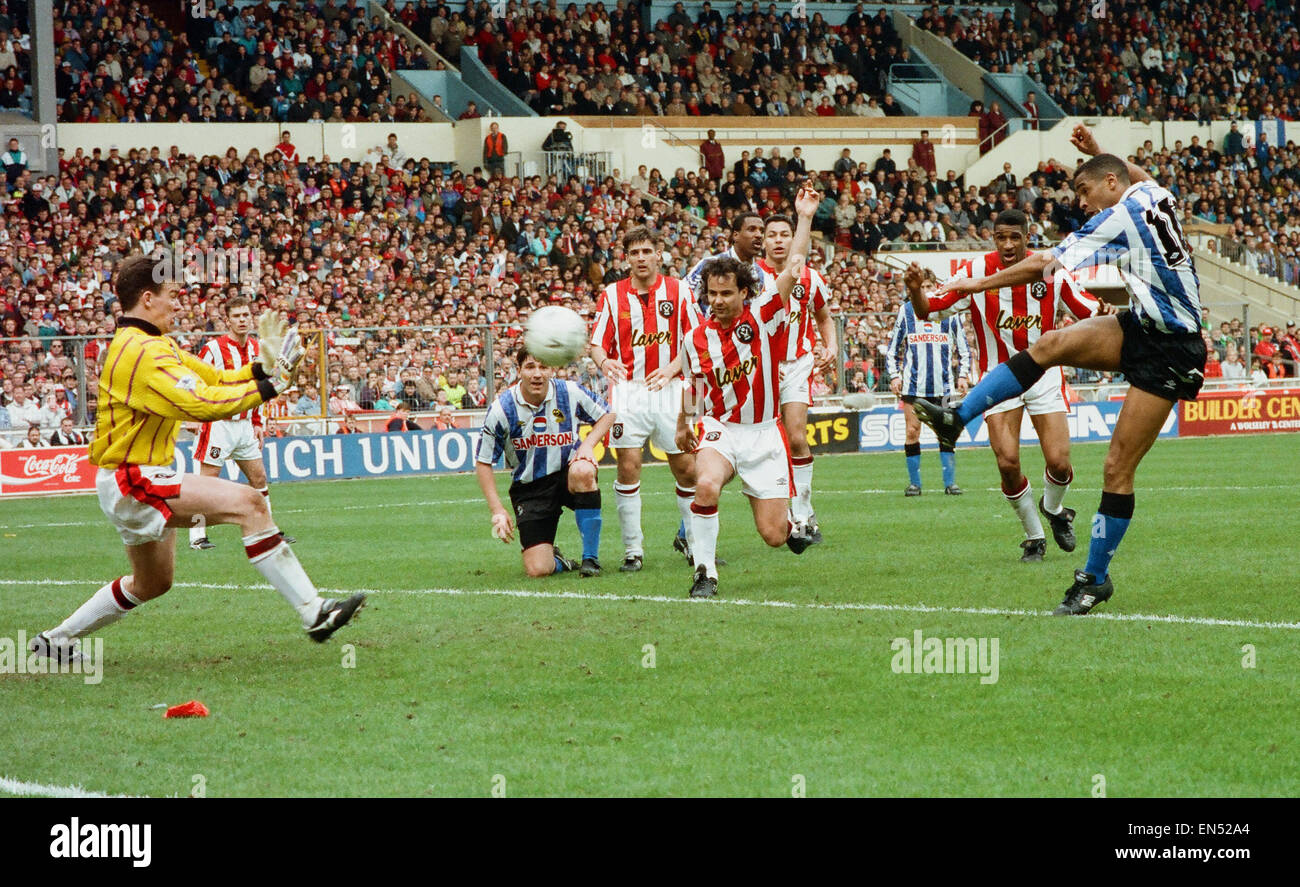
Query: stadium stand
x=288, y=62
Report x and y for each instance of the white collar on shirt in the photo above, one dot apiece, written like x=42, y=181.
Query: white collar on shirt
x=523, y=404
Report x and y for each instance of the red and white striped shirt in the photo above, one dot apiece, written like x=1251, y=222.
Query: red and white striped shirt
x=741, y=364
x=806, y=299
x=225, y=353
x=1012, y=318
x=644, y=330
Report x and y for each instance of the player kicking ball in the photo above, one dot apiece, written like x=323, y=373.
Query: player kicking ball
x=149, y=386
x=534, y=424
x=640, y=323
x=1156, y=344
x=734, y=359
x=1007, y=321
x=802, y=358
x=239, y=437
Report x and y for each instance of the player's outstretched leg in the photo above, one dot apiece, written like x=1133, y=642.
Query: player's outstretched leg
x=223, y=502
x=1003, y=382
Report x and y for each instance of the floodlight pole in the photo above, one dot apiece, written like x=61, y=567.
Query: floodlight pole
x=45, y=106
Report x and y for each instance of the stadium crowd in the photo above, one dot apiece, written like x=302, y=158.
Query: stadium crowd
x=1192, y=60
x=745, y=60
x=290, y=62
x=445, y=258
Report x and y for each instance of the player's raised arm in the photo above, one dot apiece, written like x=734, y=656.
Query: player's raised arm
x=913, y=280
x=805, y=204
x=174, y=390
x=1029, y=269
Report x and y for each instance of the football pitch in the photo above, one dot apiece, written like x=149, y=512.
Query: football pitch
x=465, y=678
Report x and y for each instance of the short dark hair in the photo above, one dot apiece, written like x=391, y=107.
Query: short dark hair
x=1012, y=217
x=135, y=276
x=637, y=234
x=724, y=266
x=237, y=302
x=778, y=218
x=1103, y=165
x=739, y=221
x=522, y=354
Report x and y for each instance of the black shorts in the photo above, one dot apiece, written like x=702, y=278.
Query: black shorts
x=537, y=506
x=1168, y=365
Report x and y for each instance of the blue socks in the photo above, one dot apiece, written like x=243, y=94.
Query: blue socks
x=913, y=453
x=681, y=530
x=559, y=565
x=948, y=459
x=1108, y=527
x=1003, y=382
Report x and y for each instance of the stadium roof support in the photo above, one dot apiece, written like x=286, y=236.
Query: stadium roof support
x=44, y=106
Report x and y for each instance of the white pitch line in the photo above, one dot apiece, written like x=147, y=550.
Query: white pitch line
x=39, y=790
x=721, y=602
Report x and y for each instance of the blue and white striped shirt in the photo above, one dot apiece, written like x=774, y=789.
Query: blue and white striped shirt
x=694, y=278
x=537, y=441
x=926, y=349
x=1142, y=238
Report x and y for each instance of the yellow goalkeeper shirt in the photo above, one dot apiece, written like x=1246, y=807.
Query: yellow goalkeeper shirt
x=150, y=385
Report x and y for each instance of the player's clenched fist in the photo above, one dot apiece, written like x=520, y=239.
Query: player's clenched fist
x=1083, y=139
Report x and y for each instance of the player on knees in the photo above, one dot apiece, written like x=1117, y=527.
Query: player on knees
x=734, y=360
x=534, y=425
x=927, y=348
x=148, y=388
x=802, y=358
x=636, y=341
x=1156, y=344
x=1007, y=321
x=239, y=437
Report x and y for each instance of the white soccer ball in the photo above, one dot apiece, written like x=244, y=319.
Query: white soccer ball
x=555, y=335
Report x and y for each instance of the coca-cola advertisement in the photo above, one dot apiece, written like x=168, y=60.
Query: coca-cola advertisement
x=46, y=470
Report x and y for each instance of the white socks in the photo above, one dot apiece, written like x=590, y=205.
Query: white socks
x=275, y=560
x=1054, y=491
x=705, y=544
x=105, y=607
x=1022, y=502
x=801, y=504
x=628, y=499
x=684, y=499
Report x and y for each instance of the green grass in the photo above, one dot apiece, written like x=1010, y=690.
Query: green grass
x=450, y=690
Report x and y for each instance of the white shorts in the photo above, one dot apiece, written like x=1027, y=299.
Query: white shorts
x=135, y=499
x=643, y=415
x=227, y=439
x=796, y=380
x=759, y=453
x=1046, y=396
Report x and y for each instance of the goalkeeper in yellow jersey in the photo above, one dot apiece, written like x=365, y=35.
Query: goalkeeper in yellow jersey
x=149, y=386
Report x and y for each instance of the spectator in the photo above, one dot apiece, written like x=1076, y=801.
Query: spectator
x=348, y=425
x=33, y=438
x=495, y=147
x=1258, y=378
x=559, y=139
x=401, y=419
x=470, y=112
x=14, y=161
x=711, y=155
x=923, y=154
x=1031, y=110
x=308, y=404
x=67, y=436
x=1232, y=366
